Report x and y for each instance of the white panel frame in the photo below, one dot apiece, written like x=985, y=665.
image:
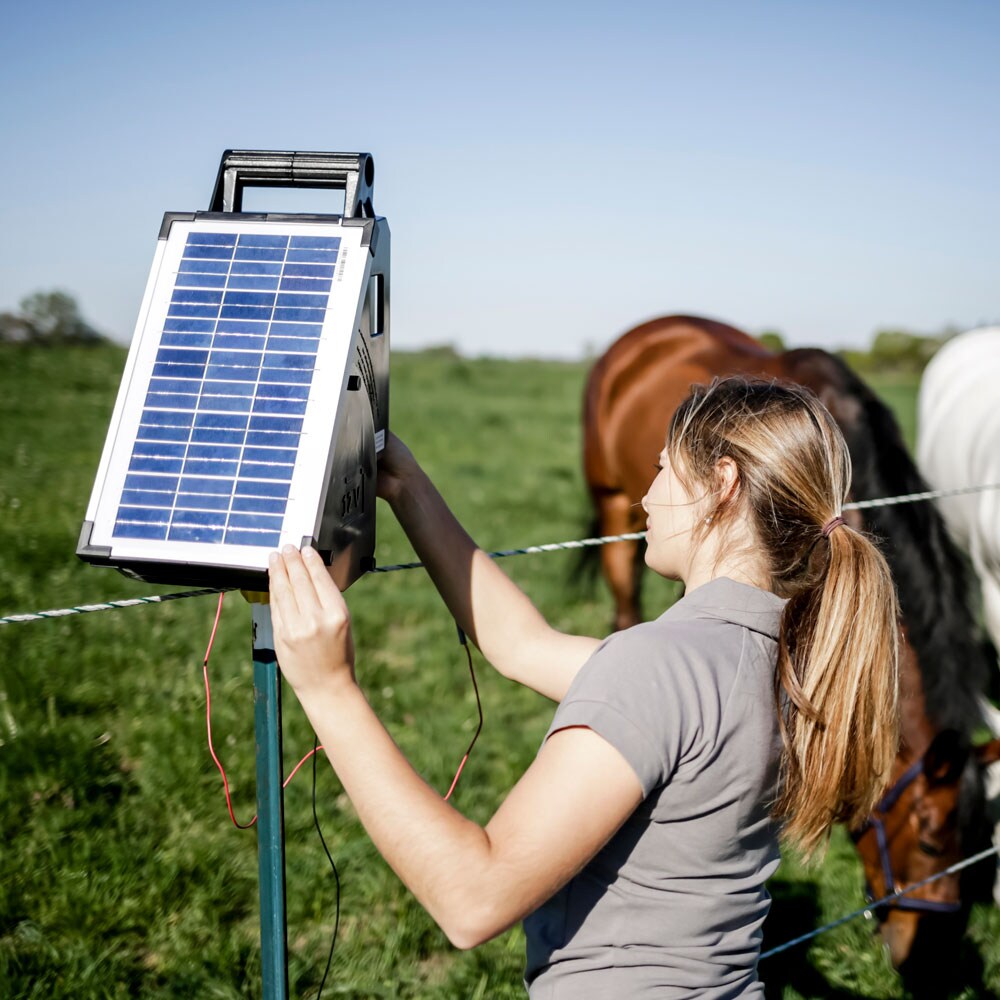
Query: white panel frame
x=334, y=360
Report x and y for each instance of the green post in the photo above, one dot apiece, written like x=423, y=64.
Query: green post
x=270, y=807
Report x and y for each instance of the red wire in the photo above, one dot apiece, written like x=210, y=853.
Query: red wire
x=284, y=784
x=479, y=707
x=208, y=725
x=454, y=781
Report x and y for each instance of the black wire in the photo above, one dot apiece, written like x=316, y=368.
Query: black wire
x=336, y=874
x=475, y=687
x=322, y=839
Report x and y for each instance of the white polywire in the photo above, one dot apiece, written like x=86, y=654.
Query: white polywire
x=579, y=543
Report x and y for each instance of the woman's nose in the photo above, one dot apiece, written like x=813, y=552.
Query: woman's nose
x=644, y=505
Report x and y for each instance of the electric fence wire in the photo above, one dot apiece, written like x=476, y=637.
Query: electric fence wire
x=580, y=543
x=884, y=901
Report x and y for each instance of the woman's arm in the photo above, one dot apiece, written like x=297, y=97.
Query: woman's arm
x=492, y=610
x=474, y=882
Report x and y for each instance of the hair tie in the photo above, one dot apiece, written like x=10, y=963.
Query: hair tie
x=834, y=522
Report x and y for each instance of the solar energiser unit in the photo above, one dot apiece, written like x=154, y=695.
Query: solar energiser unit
x=254, y=403
x=255, y=395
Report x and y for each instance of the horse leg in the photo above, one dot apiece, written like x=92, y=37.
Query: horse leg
x=614, y=512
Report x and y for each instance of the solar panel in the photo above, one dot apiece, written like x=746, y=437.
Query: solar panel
x=254, y=341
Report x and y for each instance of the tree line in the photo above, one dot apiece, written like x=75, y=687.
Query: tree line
x=54, y=317
x=892, y=351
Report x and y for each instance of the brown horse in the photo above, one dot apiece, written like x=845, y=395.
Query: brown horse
x=934, y=812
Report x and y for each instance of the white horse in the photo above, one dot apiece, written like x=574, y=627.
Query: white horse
x=958, y=444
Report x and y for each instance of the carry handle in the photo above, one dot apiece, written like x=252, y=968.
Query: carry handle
x=352, y=173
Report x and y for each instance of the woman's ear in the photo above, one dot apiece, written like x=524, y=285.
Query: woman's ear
x=727, y=475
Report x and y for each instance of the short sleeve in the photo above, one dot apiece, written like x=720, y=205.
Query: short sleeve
x=640, y=694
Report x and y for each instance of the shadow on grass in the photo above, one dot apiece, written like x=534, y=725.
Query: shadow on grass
x=943, y=961
x=794, y=909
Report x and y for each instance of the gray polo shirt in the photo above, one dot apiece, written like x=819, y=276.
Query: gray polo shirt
x=673, y=905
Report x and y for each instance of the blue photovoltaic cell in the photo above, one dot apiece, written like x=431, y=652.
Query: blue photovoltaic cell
x=213, y=239
x=213, y=458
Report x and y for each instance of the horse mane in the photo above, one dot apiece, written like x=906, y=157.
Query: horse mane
x=930, y=573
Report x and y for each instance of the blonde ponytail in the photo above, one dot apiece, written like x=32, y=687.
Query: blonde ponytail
x=837, y=693
x=836, y=680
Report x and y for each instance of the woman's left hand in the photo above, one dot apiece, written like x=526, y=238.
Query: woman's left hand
x=312, y=626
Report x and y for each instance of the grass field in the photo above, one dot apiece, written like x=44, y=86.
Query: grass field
x=120, y=874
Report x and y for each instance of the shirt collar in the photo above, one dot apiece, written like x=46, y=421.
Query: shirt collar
x=726, y=600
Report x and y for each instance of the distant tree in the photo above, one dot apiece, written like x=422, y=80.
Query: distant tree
x=15, y=329
x=903, y=350
x=54, y=317
x=772, y=340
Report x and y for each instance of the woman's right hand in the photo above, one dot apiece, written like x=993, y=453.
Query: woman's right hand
x=396, y=465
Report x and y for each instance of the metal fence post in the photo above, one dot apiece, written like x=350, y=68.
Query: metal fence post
x=270, y=807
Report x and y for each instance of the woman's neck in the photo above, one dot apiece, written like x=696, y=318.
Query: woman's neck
x=739, y=563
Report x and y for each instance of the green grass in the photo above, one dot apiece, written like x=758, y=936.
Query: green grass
x=120, y=874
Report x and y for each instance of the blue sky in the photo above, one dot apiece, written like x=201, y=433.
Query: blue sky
x=552, y=173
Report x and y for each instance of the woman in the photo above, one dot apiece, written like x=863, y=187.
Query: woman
x=637, y=844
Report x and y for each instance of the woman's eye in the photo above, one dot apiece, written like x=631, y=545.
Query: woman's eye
x=657, y=466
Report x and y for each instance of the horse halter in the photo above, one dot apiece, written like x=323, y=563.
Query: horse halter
x=876, y=821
